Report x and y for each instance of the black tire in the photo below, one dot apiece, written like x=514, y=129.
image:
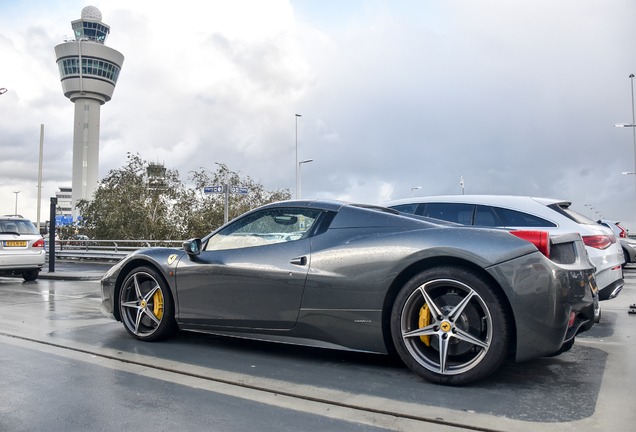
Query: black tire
x=626, y=256
x=146, y=306
x=30, y=275
x=466, y=335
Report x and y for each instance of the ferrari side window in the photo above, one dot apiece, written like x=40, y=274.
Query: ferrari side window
x=265, y=227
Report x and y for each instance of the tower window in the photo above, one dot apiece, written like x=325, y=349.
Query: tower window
x=99, y=68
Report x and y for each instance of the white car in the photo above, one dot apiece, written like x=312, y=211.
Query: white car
x=520, y=212
x=21, y=248
x=628, y=244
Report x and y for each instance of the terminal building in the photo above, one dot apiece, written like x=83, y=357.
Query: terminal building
x=88, y=71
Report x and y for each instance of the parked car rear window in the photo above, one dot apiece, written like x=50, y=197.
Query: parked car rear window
x=406, y=208
x=452, y=212
x=513, y=218
x=485, y=216
x=571, y=214
x=17, y=226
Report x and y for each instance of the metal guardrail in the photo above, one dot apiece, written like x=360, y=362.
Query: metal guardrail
x=106, y=249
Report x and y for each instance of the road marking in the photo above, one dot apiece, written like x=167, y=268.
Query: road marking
x=372, y=411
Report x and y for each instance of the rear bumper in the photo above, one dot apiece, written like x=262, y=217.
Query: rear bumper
x=543, y=295
x=611, y=290
x=22, y=261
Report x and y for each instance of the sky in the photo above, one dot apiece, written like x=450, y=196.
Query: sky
x=517, y=97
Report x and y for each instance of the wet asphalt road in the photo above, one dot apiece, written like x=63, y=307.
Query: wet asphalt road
x=63, y=366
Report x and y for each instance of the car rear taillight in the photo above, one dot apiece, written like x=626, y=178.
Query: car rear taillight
x=598, y=241
x=38, y=244
x=541, y=239
x=623, y=233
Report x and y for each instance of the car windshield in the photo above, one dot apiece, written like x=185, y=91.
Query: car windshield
x=17, y=227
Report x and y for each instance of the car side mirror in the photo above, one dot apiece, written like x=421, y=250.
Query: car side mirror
x=192, y=247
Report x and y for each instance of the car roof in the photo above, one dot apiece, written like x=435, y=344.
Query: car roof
x=321, y=204
x=13, y=217
x=502, y=200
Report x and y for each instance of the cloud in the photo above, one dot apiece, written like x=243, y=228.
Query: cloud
x=516, y=97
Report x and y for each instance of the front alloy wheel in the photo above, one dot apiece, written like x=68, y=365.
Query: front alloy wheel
x=145, y=305
x=449, y=326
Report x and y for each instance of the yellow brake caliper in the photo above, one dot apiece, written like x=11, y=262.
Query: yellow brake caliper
x=425, y=320
x=157, y=299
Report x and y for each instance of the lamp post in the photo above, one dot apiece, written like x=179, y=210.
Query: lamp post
x=299, y=177
x=16, y=202
x=297, y=165
x=633, y=125
x=462, y=184
x=414, y=188
x=3, y=90
x=226, y=191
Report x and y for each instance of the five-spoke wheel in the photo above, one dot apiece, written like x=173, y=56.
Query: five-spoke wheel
x=145, y=305
x=449, y=326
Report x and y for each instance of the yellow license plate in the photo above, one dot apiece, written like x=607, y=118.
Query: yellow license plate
x=13, y=243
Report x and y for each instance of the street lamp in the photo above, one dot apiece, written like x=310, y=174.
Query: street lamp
x=462, y=183
x=16, y=202
x=299, y=177
x=3, y=90
x=297, y=115
x=413, y=188
x=633, y=125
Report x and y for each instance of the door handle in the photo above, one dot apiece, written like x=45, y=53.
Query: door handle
x=299, y=261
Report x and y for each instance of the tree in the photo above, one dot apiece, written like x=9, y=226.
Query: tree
x=207, y=210
x=146, y=201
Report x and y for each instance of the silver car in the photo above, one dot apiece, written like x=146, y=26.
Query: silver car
x=453, y=301
x=21, y=248
x=521, y=212
x=628, y=244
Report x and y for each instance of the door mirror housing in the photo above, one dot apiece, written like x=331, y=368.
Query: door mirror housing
x=192, y=246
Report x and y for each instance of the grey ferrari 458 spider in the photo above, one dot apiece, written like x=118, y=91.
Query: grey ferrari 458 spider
x=453, y=301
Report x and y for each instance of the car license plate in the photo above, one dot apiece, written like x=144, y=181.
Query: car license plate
x=14, y=243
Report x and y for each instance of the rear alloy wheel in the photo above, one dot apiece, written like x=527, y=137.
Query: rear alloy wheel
x=449, y=326
x=146, y=306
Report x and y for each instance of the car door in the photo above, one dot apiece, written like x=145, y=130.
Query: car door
x=250, y=274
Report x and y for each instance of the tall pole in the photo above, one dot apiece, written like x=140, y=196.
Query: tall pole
x=631, y=78
x=52, y=234
x=40, y=173
x=296, y=164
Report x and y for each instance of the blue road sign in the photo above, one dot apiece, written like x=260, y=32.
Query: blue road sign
x=213, y=189
x=239, y=190
x=63, y=220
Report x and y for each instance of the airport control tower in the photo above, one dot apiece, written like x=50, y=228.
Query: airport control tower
x=88, y=71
